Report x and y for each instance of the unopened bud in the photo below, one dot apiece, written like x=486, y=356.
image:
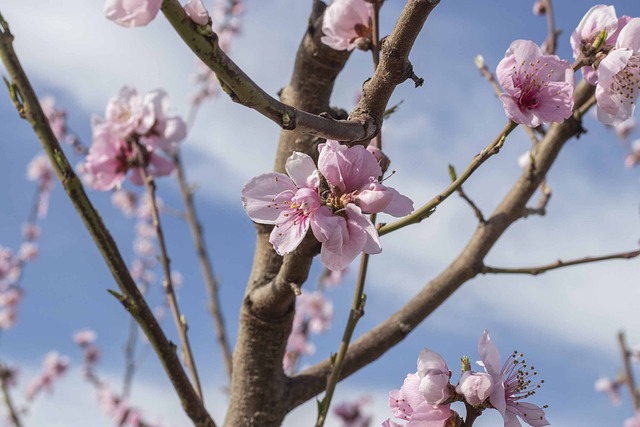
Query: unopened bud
x=466, y=365
x=539, y=8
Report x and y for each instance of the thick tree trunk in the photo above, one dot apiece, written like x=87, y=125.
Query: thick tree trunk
x=258, y=383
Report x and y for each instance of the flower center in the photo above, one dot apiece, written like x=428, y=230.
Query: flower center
x=627, y=82
x=530, y=85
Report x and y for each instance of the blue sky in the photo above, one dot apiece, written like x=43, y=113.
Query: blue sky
x=564, y=321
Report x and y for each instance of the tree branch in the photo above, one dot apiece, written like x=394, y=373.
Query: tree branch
x=558, y=264
x=467, y=265
x=628, y=371
x=205, y=263
x=28, y=107
x=365, y=121
x=426, y=210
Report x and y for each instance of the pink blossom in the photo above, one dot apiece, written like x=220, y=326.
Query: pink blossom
x=288, y=202
x=124, y=200
x=624, y=129
x=599, y=21
x=347, y=24
x=55, y=116
x=30, y=231
x=351, y=413
x=633, y=158
x=538, y=88
x=159, y=128
x=434, y=377
x=316, y=309
x=408, y=404
x=10, y=297
x=132, y=13
x=39, y=169
x=476, y=387
x=330, y=279
x=619, y=77
x=539, y=8
x=633, y=421
x=28, y=251
x=124, y=112
x=110, y=158
x=338, y=221
x=354, y=190
x=512, y=383
x=7, y=318
x=197, y=12
x=610, y=388
x=84, y=337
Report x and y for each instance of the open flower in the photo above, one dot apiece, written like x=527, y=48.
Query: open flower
x=538, y=88
x=132, y=13
x=286, y=201
x=337, y=217
x=512, y=383
x=599, y=21
x=347, y=24
x=434, y=377
x=354, y=190
x=619, y=77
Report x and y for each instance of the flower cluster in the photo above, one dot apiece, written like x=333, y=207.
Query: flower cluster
x=111, y=404
x=130, y=137
x=426, y=396
x=539, y=88
x=314, y=313
x=336, y=215
x=347, y=24
x=54, y=366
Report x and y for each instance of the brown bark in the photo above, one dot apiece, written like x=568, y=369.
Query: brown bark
x=258, y=382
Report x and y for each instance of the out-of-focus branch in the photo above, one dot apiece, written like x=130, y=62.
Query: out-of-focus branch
x=558, y=264
x=365, y=121
x=426, y=210
x=210, y=280
x=28, y=106
x=6, y=396
x=466, y=266
x=129, y=358
x=628, y=371
x=178, y=318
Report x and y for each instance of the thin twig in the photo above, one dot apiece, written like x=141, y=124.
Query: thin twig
x=472, y=414
x=6, y=396
x=356, y=312
x=178, y=318
x=551, y=42
x=628, y=371
x=543, y=201
x=429, y=208
x=461, y=193
x=129, y=356
x=29, y=107
x=205, y=264
x=558, y=264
